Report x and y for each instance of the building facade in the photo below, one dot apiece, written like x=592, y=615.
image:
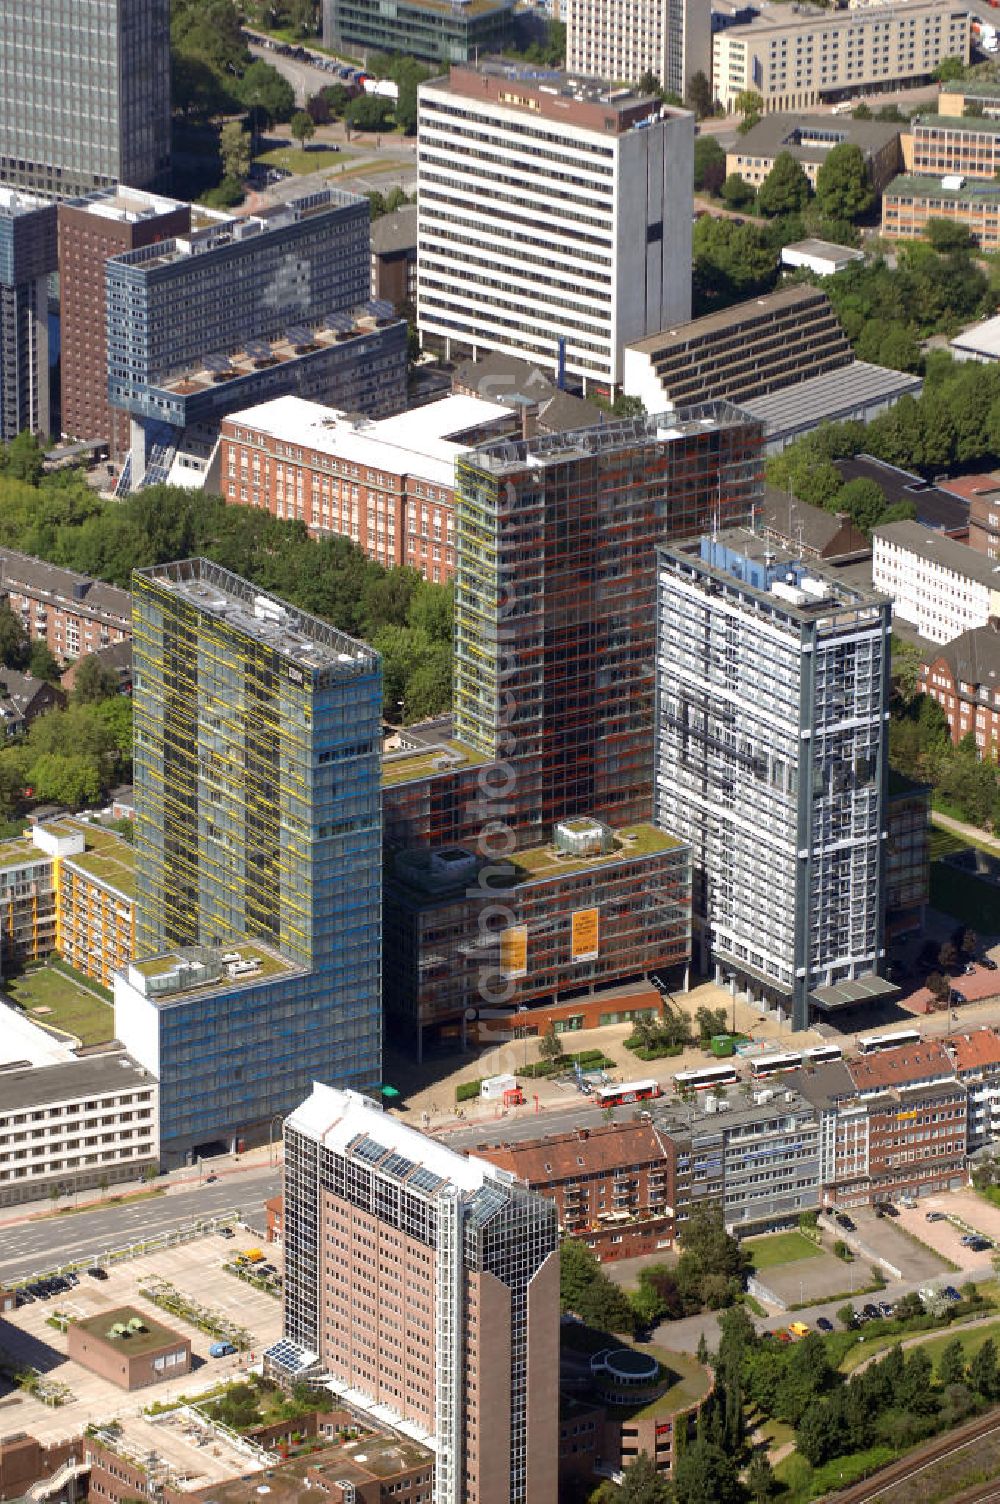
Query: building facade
x=796, y=61
x=911, y=200
x=183, y=351
x=426, y=1284
x=771, y=759
x=85, y=95
x=91, y=230
x=27, y=258
x=435, y=33
x=907, y=857
x=976, y=1058
x=671, y=39
x=388, y=485
x=257, y=824
x=942, y=587
x=394, y=258
x=963, y=679
x=939, y=145
x=551, y=669
x=555, y=218
x=76, y=1125
x=128, y=1348
x=809, y=139
x=71, y=613
x=568, y=924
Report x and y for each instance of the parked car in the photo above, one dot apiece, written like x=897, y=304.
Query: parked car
x=799, y=1329
x=98, y=1273
x=846, y=1222
x=872, y=1312
x=783, y=1336
x=988, y=963
x=890, y=1210
x=221, y=1350
x=209, y=1178
x=970, y=969
x=824, y=1323
x=935, y=1216
x=24, y=1298
x=226, y=1232
x=980, y=1245
x=886, y=1307
x=950, y=1293
x=956, y=996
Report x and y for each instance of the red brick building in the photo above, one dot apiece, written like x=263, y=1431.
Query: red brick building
x=614, y=1185
x=128, y=1347
x=394, y=258
x=72, y=613
x=387, y=484
x=90, y=230
x=912, y=1137
x=964, y=678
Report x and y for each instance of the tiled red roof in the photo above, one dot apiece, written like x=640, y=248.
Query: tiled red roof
x=907, y=1063
x=564, y=1156
x=971, y=1051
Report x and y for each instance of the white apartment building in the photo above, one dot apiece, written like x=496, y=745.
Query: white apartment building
x=941, y=587
x=75, y=1125
x=672, y=39
x=796, y=61
x=771, y=732
x=555, y=218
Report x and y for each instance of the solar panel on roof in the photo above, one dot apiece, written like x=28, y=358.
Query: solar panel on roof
x=290, y=1356
x=380, y=308
x=397, y=1164
x=216, y=363
x=368, y=1149
x=340, y=323
x=298, y=334
x=258, y=349
x=423, y=1179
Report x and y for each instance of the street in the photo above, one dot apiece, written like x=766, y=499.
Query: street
x=45, y=1242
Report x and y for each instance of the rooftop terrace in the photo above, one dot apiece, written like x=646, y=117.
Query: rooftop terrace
x=149, y=1336
x=108, y=859
x=202, y=969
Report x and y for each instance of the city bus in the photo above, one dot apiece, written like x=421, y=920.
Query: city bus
x=626, y=1092
x=705, y=1077
x=763, y=1066
x=821, y=1053
x=870, y=1044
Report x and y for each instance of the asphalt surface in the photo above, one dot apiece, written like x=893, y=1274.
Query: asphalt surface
x=47, y=1242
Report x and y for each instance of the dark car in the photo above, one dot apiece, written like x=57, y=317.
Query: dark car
x=957, y=997
x=24, y=1298
x=886, y=1307
x=950, y=1293
x=824, y=1323
x=98, y=1273
x=935, y=1216
x=226, y=1232
x=872, y=1312
x=890, y=1210
x=989, y=963
x=980, y=1245
x=846, y=1222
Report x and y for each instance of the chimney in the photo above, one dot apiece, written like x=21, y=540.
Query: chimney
x=529, y=420
x=583, y=1134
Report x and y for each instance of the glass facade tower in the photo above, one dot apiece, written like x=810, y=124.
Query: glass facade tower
x=85, y=94
x=258, y=852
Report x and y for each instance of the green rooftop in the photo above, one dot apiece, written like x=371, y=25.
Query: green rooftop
x=911, y=185
x=428, y=762
x=630, y=841
x=152, y=1338
x=271, y=964
x=689, y=1384
x=108, y=859
x=19, y=851
x=974, y=124
x=973, y=88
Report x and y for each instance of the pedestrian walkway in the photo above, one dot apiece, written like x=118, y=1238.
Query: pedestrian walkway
x=970, y=833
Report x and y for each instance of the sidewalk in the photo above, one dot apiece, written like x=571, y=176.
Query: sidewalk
x=971, y=833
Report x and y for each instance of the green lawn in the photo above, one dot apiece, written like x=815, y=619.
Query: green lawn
x=780, y=1248
x=298, y=161
x=966, y=897
x=70, y=1007
x=802, y=1482
x=971, y=1341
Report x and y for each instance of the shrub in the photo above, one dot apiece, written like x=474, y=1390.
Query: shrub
x=466, y=1090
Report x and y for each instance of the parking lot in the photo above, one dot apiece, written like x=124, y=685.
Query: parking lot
x=968, y=1211
x=886, y=1237
x=195, y=1270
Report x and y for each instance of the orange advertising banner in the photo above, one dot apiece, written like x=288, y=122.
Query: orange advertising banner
x=514, y=951
x=586, y=944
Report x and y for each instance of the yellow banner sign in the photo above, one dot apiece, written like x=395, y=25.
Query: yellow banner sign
x=586, y=935
x=514, y=951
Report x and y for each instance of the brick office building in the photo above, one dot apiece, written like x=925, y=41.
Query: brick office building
x=128, y=1348
x=388, y=485
x=90, y=230
x=964, y=678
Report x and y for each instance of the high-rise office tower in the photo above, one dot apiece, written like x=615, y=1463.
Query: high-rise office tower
x=555, y=217
x=245, y=308
x=27, y=257
x=671, y=39
x=425, y=1284
x=772, y=692
x=258, y=853
x=92, y=229
x=85, y=94
x=555, y=593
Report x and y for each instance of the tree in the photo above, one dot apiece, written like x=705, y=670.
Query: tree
x=842, y=187
x=862, y=111
x=649, y=84
x=265, y=95
x=864, y=501
x=761, y=1482
x=948, y=957
x=302, y=127
x=907, y=661
x=984, y=1375
x=13, y=640
x=708, y=1022
x=93, y=681
x=699, y=95
x=550, y=1045
x=369, y=112
x=737, y=193
x=643, y=1484
x=42, y=662
x=968, y=943
x=709, y=165
x=945, y=235
x=948, y=70
x=234, y=148
x=704, y=1474
x=786, y=188
x=750, y=105
x=951, y=1364
x=24, y=458
x=847, y=1316
x=731, y=261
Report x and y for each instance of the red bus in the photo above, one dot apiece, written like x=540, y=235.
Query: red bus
x=626, y=1092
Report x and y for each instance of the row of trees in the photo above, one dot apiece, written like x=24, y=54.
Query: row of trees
x=408, y=619
x=671, y=1031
